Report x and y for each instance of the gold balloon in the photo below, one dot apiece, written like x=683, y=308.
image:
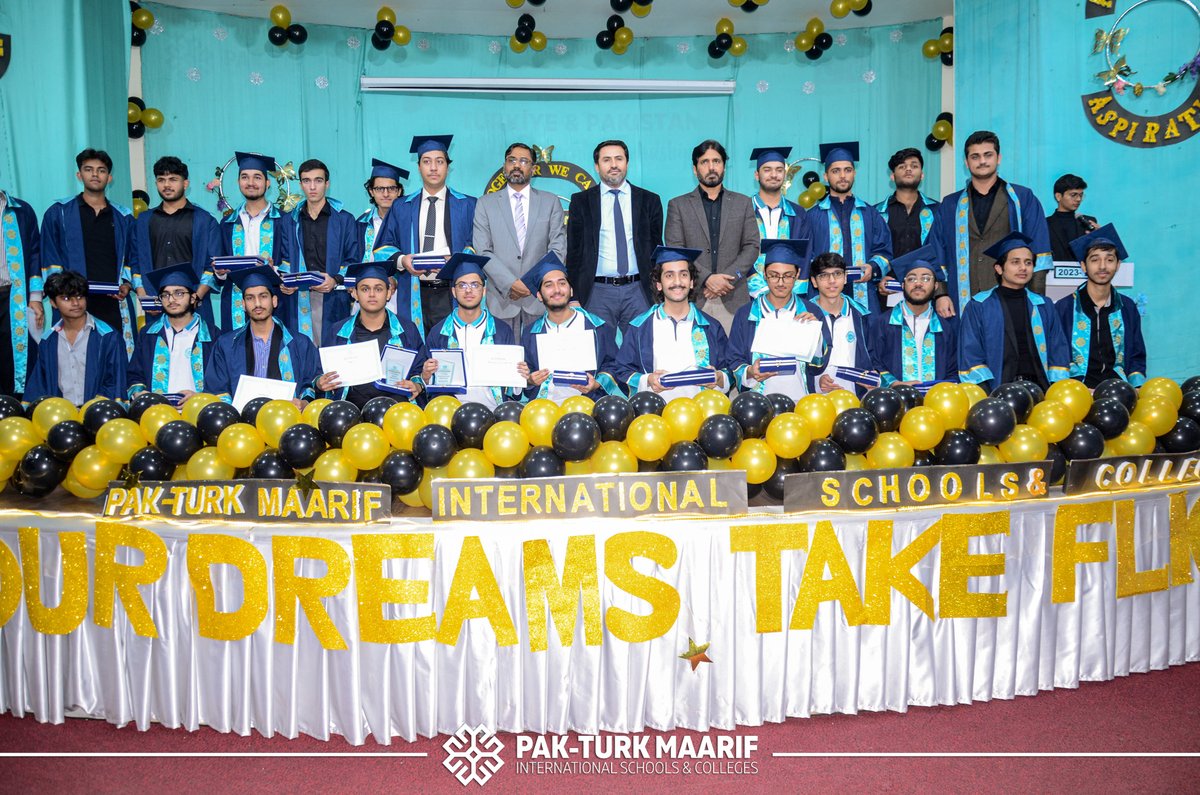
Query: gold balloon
x=684, y=416
x=577, y=467
x=190, y=410
x=640, y=10
x=1153, y=411
x=401, y=423
x=755, y=457
x=73, y=486
x=333, y=466
x=239, y=444
x=623, y=37
x=515, y=3
x=425, y=490
x=891, y=451
x=843, y=399
x=649, y=437
x=975, y=393
x=385, y=12
x=207, y=464
x=990, y=454
x=538, y=41
x=119, y=439
x=930, y=48
x=578, y=403
x=1136, y=440
x=788, y=435
x=281, y=16
x=946, y=42
x=1163, y=387
x=818, y=412
x=505, y=443
x=815, y=27
x=712, y=402
x=1110, y=449
x=613, y=457
x=312, y=412
x=719, y=464
x=7, y=467
x=738, y=48
x=180, y=472
x=93, y=469
x=516, y=45
x=818, y=190
x=724, y=25
x=1053, y=419
x=1072, y=394
x=806, y=199
x=134, y=114
x=365, y=445
x=17, y=437
x=83, y=409
x=618, y=49
x=402, y=36
x=440, y=410
x=470, y=463
x=275, y=417
x=839, y=8
x=139, y=207
x=144, y=18
x=51, y=412
x=804, y=41
x=855, y=462
x=942, y=130
x=155, y=417
x=412, y=499
x=153, y=118
x=858, y=5
x=1027, y=443
x=923, y=427
x=538, y=419
x=950, y=401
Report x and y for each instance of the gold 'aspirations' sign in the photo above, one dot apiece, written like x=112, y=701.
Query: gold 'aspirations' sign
x=253, y=501
x=914, y=487
x=613, y=496
x=1131, y=472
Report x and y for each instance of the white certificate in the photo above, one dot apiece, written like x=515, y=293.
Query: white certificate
x=787, y=337
x=451, y=373
x=355, y=364
x=250, y=387
x=495, y=365
x=569, y=351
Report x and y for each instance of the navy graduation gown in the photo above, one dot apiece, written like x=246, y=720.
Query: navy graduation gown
x=343, y=247
x=1125, y=326
x=605, y=337
x=301, y=365
x=206, y=244
x=283, y=246
x=104, y=375
x=981, y=339
x=874, y=247
x=635, y=359
x=150, y=367
x=401, y=332
x=887, y=346
x=863, y=359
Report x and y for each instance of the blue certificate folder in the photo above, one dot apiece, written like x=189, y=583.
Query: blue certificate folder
x=103, y=288
x=397, y=365
x=569, y=378
x=777, y=365
x=236, y=263
x=428, y=262
x=150, y=304
x=305, y=279
x=867, y=378
x=686, y=378
x=451, y=376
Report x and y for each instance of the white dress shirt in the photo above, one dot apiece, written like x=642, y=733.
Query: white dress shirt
x=842, y=352
x=606, y=263
x=180, y=343
x=770, y=218
x=252, y=226
x=673, y=352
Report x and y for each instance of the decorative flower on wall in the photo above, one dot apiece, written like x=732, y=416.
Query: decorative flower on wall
x=560, y=49
x=869, y=76
x=220, y=34
x=256, y=78
x=322, y=82
x=808, y=87
x=762, y=86
x=193, y=74
x=353, y=42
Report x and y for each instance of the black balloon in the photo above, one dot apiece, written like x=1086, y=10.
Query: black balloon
x=101, y=412
x=401, y=471
x=1183, y=438
x=822, y=455
x=753, y=412
x=647, y=403
x=1017, y=397
x=1058, y=462
x=781, y=403
x=773, y=485
x=714, y=50
x=824, y=40
x=604, y=39
x=10, y=407
x=523, y=35
x=510, y=411
x=887, y=407
x=270, y=466
x=151, y=464
x=813, y=53
x=724, y=41
x=380, y=44
x=1038, y=393
x=434, y=446
x=647, y=466
x=1109, y=416
x=541, y=462
x=32, y=407
x=508, y=473
x=1190, y=407
x=526, y=20
x=250, y=410
x=371, y=475
x=684, y=457
x=178, y=440
x=1083, y=442
x=137, y=38
x=855, y=430
x=575, y=436
x=957, y=447
x=862, y=12
x=947, y=57
x=25, y=488
x=337, y=418
x=621, y=6
x=720, y=436
x=924, y=458
x=385, y=29
x=810, y=177
x=41, y=468
x=753, y=490
x=749, y=6
x=613, y=414
x=911, y=396
x=301, y=445
x=214, y=418
x=1191, y=385
x=143, y=401
x=614, y=23
x=277, y=35
x=67, y=438
x=374, y=409
x=992, y=420
x=1117, y=388
x=297, y=33
x=469, y=423
x=933, y=144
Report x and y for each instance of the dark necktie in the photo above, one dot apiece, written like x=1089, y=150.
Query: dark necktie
x=430, y=225
x=619, y=235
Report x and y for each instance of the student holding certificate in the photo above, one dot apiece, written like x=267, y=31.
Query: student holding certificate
x=844, y=326
x=674, y=349
x=373, y=322
x=774, y=337
x=569, y=350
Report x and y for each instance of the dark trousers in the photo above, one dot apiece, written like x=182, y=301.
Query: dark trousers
x=435, y=302
x=7, y=368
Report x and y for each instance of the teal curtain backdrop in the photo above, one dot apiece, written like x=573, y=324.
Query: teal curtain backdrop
x=1021, y=68
x=223, y=87
x=65, y=90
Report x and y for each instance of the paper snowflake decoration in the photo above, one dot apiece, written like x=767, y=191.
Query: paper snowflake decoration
x=322, y=82
x=256, y=78
x=353, y=42
x=423, y=44
x=683, y=48
x=762, y=86
x=896, y=35
x=840, y=40
x=193, y=74
x=156, y=29
x=808, y=87
x=560, y=49
x=220, y=34
x=789, y=45
x=494, y=47
x=869, y=76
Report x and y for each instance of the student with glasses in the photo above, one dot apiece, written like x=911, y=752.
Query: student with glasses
x=384, y=188
x=911, y=343
x=173, y=352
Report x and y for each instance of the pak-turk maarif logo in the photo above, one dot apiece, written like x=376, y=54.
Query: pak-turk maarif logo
x=473, y=754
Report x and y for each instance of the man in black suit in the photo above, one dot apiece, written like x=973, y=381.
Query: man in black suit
x=612, y=231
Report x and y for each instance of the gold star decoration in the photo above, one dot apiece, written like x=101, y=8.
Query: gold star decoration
x=132, y=479
x=696, y=654
x=305, y=483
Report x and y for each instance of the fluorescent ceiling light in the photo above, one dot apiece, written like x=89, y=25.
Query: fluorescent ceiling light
x=477, y=85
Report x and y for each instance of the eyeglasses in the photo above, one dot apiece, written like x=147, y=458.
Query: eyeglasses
x=830, y=276
x=512, y=161
x=918, y=279
x=174, y=295
x=386, y=189
x=468, y=287
x=781, y=277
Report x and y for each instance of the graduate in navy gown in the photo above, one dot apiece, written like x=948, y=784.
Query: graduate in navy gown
x=845, y=329
x=1010, y=333
x=911, y=344
x=263, y=347
x=673, y=336
x=777, y=216
x=548, y=281
x=1103, y=327
x=21, y=301
x=384, y=188
x=174, y=350
x=845, y=224
x=373, y=322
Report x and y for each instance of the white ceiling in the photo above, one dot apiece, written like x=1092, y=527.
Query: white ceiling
x=577, y=18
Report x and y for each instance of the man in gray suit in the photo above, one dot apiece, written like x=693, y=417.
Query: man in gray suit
x=721, y=224
x=515, y=227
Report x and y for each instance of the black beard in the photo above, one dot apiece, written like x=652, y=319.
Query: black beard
x=180, y=313
x=910, y=185
x=558, y=307
x=918, y=301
